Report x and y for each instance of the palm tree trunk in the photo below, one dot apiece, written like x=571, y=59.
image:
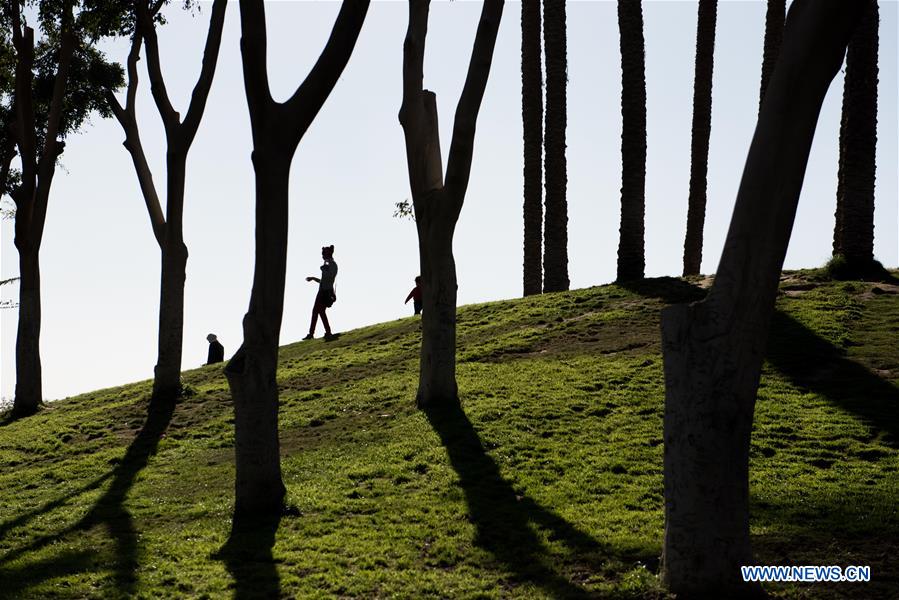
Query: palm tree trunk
x=555, y=258
x=702, y=127
x=631, y=257
x=532, y=122
x=854, y=230
x=774, y=33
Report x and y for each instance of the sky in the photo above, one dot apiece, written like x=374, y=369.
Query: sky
x=100, y=262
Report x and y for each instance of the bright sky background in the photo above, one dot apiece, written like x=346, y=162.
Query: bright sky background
x=100, y=263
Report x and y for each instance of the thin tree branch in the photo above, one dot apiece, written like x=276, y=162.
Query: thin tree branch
x=413, y=63
x=418, y=113
x=133, y=58
x=458, y=166
x=253, y=57
x=52, y=146
x=170, y=117
x=142, y=168
x=307, y=101
x=204, y=83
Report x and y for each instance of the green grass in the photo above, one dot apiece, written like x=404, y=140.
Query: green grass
x=548, y=485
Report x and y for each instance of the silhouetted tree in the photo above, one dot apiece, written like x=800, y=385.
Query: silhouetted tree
x=713, y=349
x=167, y=228
x=774, y=33
x=853, y=235
x=631, y=257
x=277, y=129
x=532, y=122
x=555, y=236
x=437, y=203
x=56, y=84
x=702, y=127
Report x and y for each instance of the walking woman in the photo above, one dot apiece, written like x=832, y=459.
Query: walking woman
x=326, y=296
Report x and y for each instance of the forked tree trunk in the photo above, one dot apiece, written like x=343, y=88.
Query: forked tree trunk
x=713, y=349
x=251, y=373
x=854, y=227
x=702, y=129
x=631, y=255
x=437, y=204
x=277, y=130
x=437, y=375
x=28, y=357
x=31, y=196
x=555, y=236
x=532, y=124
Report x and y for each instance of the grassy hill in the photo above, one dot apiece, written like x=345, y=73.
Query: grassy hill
x=548, y=485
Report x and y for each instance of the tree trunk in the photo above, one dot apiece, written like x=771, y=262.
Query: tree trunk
x=714, y=349
x=702, y=127
x=167, y=373
x=437, y=204
x=532, y=122
x=167, y=381
x=854, y=230
x=28, y=357
x=437, y=375
x=631, y=257
x=259, y=488
x=555, y=258
x=774, y=33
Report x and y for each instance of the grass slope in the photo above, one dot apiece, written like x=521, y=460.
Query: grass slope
x=549, y=485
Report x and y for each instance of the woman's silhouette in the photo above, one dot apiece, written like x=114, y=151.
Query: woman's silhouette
x=326, y=296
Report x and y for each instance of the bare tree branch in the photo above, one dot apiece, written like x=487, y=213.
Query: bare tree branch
x=52, y=146
x=204, y=83
x=458, y=165
x=253, y=56
x=170, y=117
x=307, y=101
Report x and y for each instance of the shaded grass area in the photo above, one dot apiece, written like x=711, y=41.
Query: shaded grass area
x=546, y=484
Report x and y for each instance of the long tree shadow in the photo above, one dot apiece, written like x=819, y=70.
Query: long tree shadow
x=807, y=360
x=812, y=362
x=502, y=517
x=248, y=557
x=109, y=510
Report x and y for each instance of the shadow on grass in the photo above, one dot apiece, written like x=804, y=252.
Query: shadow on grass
x=807, y=360
x=812, y=362
x=248, y=557
x=109, y=510
x=503, y=518
x=13, y=582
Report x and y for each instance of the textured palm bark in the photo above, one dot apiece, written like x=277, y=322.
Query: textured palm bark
x=774, y=33
x=437, y=204
x=277, y=128
x=532, y=123
x=555, y=246
x=713, y=350
x=631, y=256
x=702, y=129
x=32, y=195
x=854, y=228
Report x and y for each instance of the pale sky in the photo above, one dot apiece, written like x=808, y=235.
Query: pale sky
x=100, y=263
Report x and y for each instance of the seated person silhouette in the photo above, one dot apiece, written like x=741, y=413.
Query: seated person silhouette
x=216, y=350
